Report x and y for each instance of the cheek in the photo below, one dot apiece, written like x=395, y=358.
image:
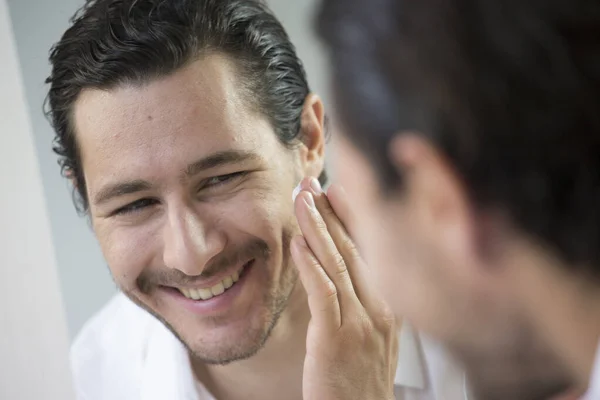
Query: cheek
x=414, y=278
x=128, y=250
x=386, y=248
x=400, y=263
x=260, y=212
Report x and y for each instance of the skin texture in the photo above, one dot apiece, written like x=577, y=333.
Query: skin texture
x=452, y=270
x=186, y=185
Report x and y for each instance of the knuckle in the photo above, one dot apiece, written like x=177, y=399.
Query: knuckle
x=350, y=246
x=339, y=263
x=386, y=320
x=366, y=325
x=314, y=263
x=320, y=224
x=362, y=330
x=329, y=290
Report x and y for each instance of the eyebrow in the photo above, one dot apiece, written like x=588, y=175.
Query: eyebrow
x=219, y=159
x=112, y=191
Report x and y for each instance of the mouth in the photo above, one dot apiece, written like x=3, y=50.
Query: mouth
x=207, y=293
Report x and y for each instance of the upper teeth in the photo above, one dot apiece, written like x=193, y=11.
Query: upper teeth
x=207, y=293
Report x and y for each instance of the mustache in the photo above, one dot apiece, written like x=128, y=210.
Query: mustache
x=252, y=249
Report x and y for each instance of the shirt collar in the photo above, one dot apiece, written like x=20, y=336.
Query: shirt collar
x=167, y=373
x=410, y=371
x=594, y=389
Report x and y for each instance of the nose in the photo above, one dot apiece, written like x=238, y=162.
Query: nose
x=189, y=243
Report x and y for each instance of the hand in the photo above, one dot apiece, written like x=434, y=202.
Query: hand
x=351, y=346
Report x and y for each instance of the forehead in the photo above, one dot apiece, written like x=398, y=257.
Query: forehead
x=194, y=112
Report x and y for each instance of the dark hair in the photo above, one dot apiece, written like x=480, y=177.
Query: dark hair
x=114, y=42
x=509, y=91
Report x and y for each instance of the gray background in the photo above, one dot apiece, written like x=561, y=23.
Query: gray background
x=33, y=343
x=85, y=281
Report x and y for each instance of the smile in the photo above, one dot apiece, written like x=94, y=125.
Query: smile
x=215, y=290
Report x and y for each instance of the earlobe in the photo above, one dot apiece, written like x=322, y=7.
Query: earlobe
x=70, y=175
x=313, y=136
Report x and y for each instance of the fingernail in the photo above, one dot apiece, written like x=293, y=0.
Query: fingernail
x=310, y=201
x=316, y=186
x=295, y=192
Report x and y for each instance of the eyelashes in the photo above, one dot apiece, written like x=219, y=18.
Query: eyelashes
x=222, y=179
x=136, y=206
x=209, y=184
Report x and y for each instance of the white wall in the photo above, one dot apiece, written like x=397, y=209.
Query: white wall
x=33, y=338
x=84, y=277
x=297, y=18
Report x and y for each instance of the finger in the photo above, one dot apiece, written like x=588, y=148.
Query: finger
x=360, y=274
x=319, y=240
x=342, y=239
x=321, y=292
x=340, y=203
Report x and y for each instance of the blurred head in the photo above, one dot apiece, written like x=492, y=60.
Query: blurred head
x=470, y=145
x=184, y=126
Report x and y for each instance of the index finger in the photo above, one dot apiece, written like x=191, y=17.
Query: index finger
x=320, y=290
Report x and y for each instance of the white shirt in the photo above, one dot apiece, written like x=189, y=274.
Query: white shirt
x=593, y=392
x=124, y=353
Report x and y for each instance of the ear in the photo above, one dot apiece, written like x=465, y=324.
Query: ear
x=70, y=175
x=312, y=148
x=438, y=201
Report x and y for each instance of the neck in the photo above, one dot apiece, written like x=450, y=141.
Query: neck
x=565, y=309
x=277, y=365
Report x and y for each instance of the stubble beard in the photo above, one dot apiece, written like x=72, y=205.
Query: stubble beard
x=274, y=303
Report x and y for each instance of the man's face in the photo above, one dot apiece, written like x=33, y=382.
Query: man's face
x=190, y=199
x=430, y=269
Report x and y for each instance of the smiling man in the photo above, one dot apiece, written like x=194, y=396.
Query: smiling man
x=184, y=126
x=171, y=171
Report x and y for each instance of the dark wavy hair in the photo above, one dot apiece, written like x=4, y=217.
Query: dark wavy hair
x=115, y=42
x=509, y=91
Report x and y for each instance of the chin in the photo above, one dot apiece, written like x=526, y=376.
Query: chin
x=227, y=350
x=219, y=340
x=229, y=327
x=229, y=341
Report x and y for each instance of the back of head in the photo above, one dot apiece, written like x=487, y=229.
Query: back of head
x=508, y=90
x=118, y=42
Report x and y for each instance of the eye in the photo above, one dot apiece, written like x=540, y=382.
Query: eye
x=222, y=179
x=136, y=206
